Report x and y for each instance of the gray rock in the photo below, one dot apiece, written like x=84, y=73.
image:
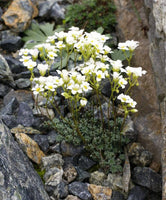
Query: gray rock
x=17, y=175
x=11, y=44
x=42, y=141
x=97, y=178
x=10, y=108
x=61, y=190
x=114, y=181
x=53, y=176
x=57, y=12
x=52, y=137
x=138, y=193
x=148, y=178
x=21, y=95
x=69, y=173
x=23, y=83
x=55, y=148
x=106, y=88
x=145, y=158
x=85, y=163
x=15, y=65
x=44, y=8
x=97, y=112
x=116, y=195
x=128, y=130
x=4, y=89
x=25, y=115
x=9, y=120
x=70, y=150
x=139, y=156
x=5, y=72
x=1, y=13
x=82, y=175
x=80, y=190
x=51, y=161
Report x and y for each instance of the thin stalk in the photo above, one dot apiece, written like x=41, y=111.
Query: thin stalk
x=101, y=111
x=76, y=123
x=61, y=58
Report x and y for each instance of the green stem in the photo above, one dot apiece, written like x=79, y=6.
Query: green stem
x=101, y=111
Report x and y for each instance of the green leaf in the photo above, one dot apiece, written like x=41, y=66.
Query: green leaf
x=38, y=33
x=119, y=55
x=100, y=30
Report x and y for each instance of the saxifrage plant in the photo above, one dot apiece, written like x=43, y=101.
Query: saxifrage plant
x=91, y=63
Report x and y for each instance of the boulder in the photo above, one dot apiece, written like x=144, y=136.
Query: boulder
x=19, y=14
x=30, y=147
x=99, y=192
x=80, y=190
x=17, y=174
x=5, y=72
x=11, y=44
x=148, y=178
x=132, y=24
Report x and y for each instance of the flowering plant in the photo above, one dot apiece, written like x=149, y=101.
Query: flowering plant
x=91, y=63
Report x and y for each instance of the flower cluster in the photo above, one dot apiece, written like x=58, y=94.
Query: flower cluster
x=96, y=64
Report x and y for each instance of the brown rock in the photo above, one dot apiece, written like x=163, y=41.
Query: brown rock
x=133, y=25
x=71, y=197
x=100, y=192
x=19, y=14
x=155, y=166
x=70, y=173
x=30, y=147
x=26, y=130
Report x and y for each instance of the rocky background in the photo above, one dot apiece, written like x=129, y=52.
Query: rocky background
x=25, y=145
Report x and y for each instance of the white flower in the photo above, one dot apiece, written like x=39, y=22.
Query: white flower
x=123, y=46
x=70, y=40
x=42, y=68
x=122, y=82
x=128, y=45
x=83, y=102
x=60, y=45
x=61, y=35
x=85, y=86
x=115, y=76
x=51, y=38
x=30, y=64
x=64, y=75
x=25, y=59
x=116, y=65
x=124, y=98
x=37, y=89
x=24, y=52
x=34, y=53
x=132, y=103
x=76, y=89
x=127, y=99
x=73, y=28
x=50, y=86
x=136, y=71
x=99, y=75
x=131, y=44
x=51, y=55
x=58, y=81
x=107, y=49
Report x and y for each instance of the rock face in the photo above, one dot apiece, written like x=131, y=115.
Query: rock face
x=146, y=177
x=19, y=14
x=5, y=72
x=133, y=25
x=17, y=175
